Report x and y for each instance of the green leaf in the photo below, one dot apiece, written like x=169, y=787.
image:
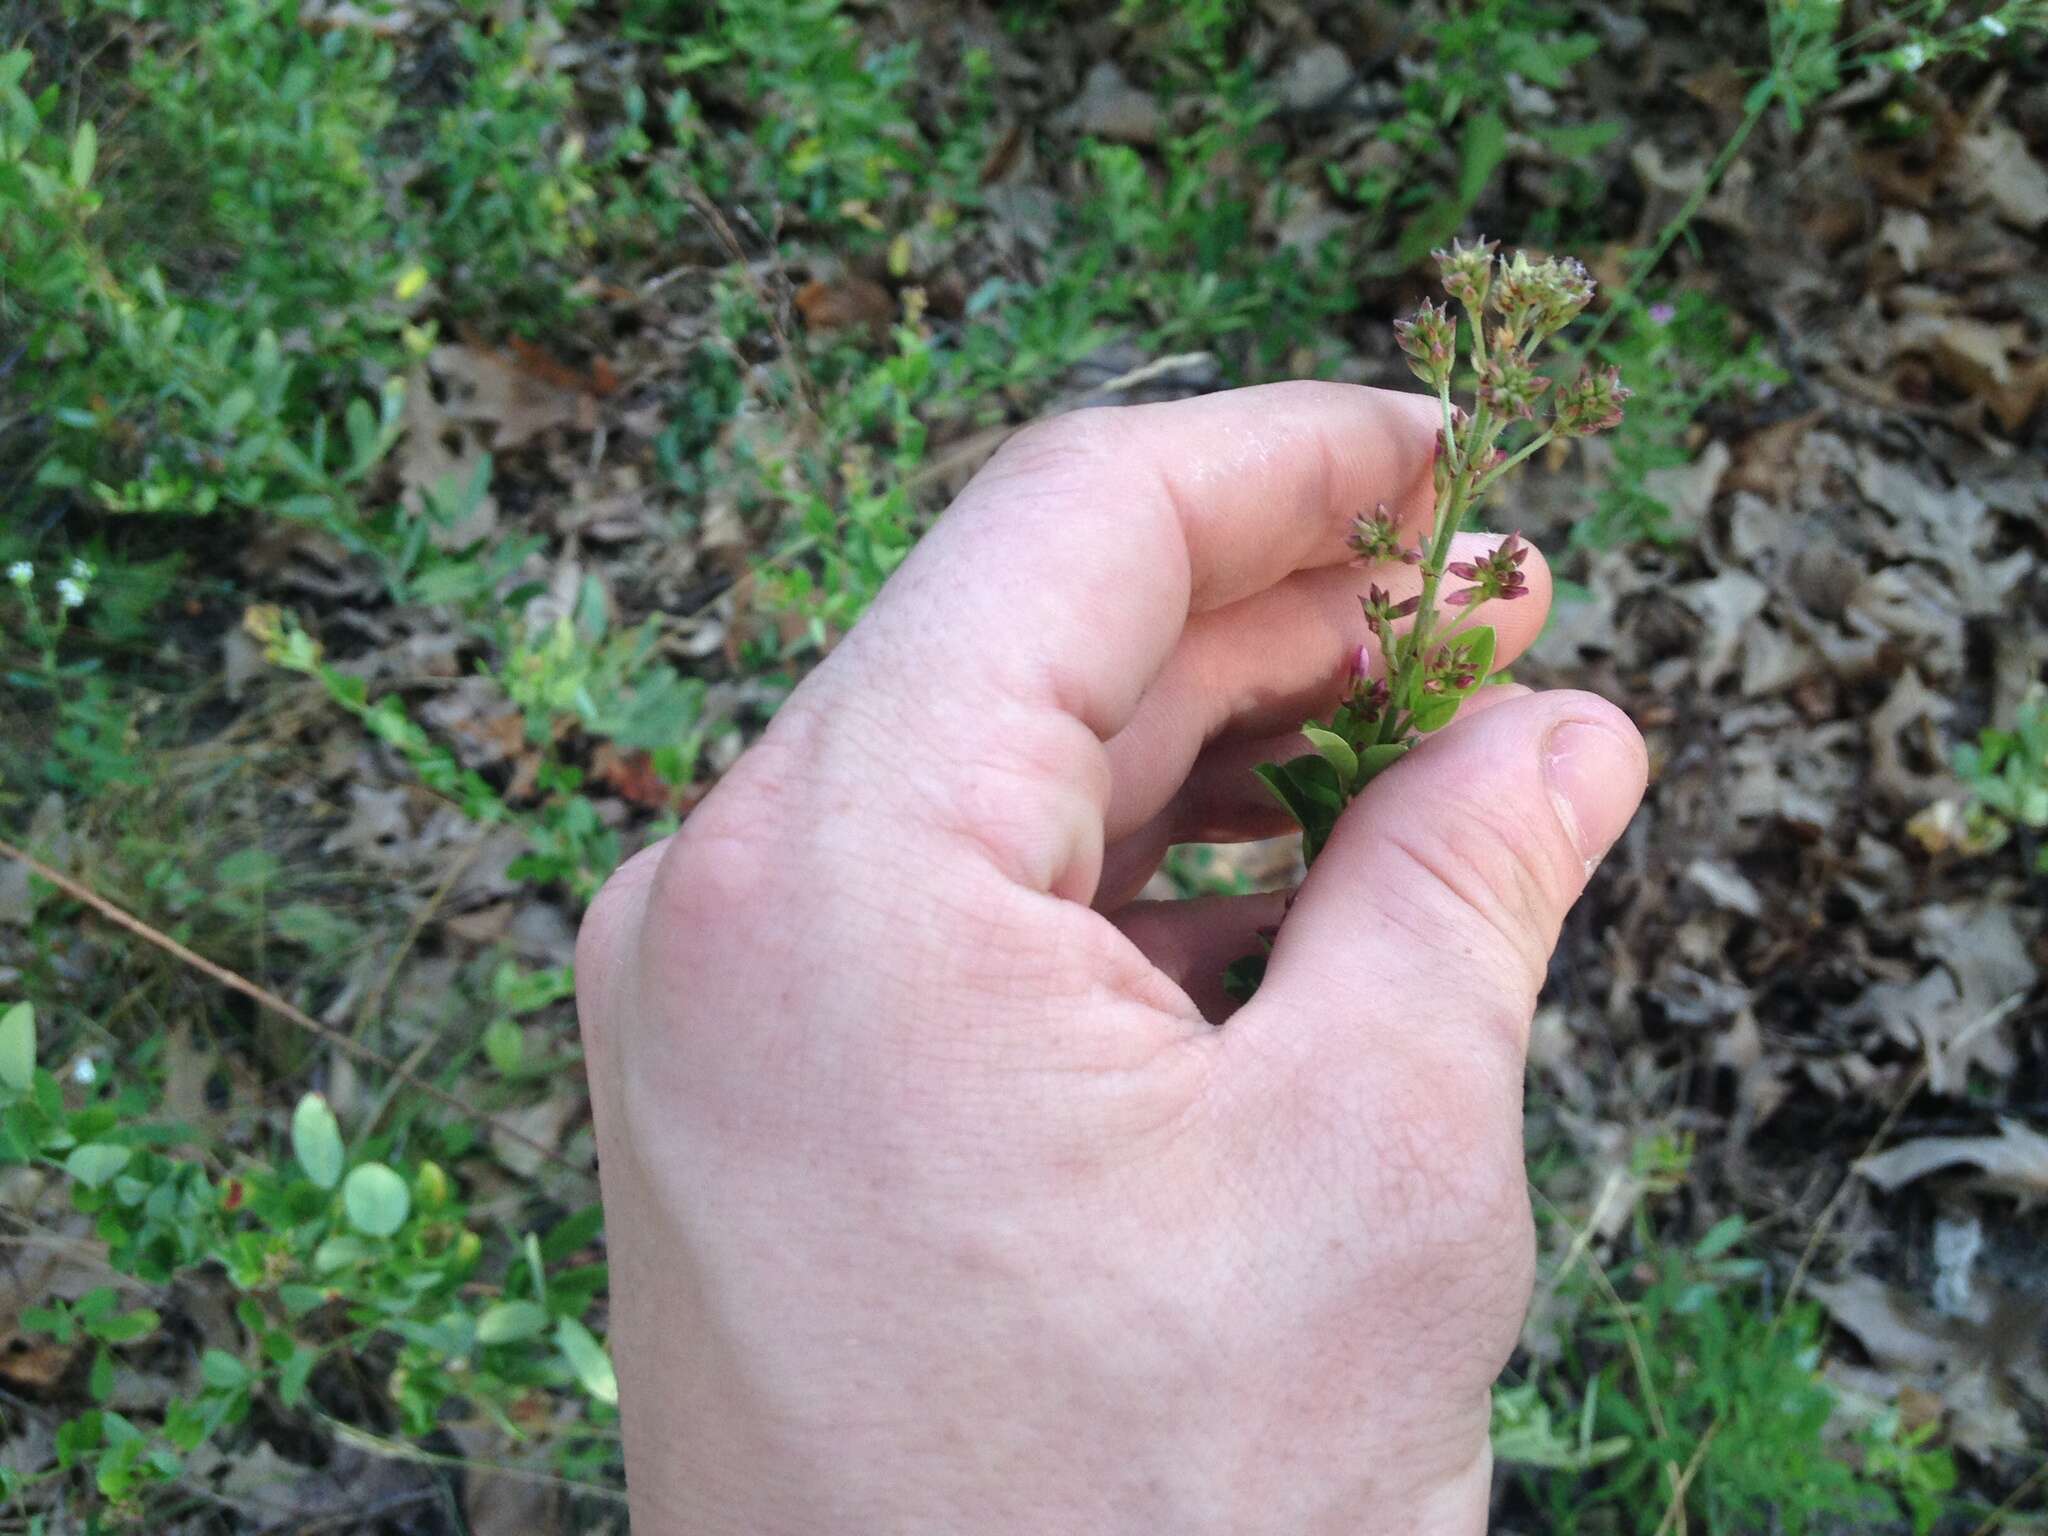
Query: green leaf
x=1273, y=778
x=587, y=1358
x=1317, y=781
x=1723, y=1235
x=376, y=1199
x=1376, y=760
x=85, y=151
x=219, y=1369
x=1433, y=714
x=1476, y=647
x=128, y=1327
x=100, y=1382
x=96, y=1162
x=316, y=1141
x=18, y=1047
x=509, y=1322
x=1336, y=752
x=504, y=1044
x=339, y=1253
x=1574, y=141
x=1483, y=148
x=291, y=1380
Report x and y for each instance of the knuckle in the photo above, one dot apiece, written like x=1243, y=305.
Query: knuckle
x=1076, y=443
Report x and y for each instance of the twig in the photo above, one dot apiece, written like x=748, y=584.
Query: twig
x=263, y=997
x=373, y=1005
x=773, y=308
x=1674, y=1512
x=2011, y=1502
x=398, y=1450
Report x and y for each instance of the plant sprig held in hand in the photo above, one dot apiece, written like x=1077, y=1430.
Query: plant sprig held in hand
x=1512, y=306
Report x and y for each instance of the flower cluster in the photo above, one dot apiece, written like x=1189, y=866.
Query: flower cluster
x=1495, y=575
x=1376, y=539
x=72, y=588
x=1427, y=653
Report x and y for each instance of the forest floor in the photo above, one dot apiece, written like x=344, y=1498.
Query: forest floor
x=652, y=335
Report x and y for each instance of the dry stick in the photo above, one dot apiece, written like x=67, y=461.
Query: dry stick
x=459, y=866
x=233, y=980
x=2011, y=1503
x=713, y=215
x=398, y=1450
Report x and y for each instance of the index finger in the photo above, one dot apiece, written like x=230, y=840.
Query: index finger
x=1032, y=618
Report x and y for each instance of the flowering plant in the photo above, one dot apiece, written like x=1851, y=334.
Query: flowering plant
x=1412, y=680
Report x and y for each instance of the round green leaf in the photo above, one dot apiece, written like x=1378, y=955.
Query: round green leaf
x=18, y=1047
x=96, y=1162
x=316, y=1141
x=511, y=1321
x=376, y=1199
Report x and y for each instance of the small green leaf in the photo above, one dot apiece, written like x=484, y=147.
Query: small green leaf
x=339, y=1253
x=1336, y=752
x=85, y=151
x=316, y=1141
x=291, y=1380
x=509, y=1322
x=96, y=1162
x=1476, y=650
x=18, y=1047
x=219, y=1369
x=1433, y=714
x=376, y=1199
x=1376, y=760
x=587, y=1358
x=1273, y=778
x=301, y=1299
x=504, y=1044
x=100, y=1382
x=1317, y=781
x=128, y=1327
x=1723, y=1235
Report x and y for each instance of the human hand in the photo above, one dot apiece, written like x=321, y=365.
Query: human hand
x=935, y=1202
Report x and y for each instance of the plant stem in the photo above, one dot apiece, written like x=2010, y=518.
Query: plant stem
x=1486, y=481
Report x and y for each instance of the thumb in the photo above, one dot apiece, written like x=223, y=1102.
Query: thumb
x=1442, y=890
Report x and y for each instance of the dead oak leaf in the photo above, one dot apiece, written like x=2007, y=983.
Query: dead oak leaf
x=2015, y=1161
x=517, y=394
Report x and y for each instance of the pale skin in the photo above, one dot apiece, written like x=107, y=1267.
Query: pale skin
x=936, y=1199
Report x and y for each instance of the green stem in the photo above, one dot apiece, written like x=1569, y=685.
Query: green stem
x=1533, y=445
x=1450, y=518
x=1668, y=236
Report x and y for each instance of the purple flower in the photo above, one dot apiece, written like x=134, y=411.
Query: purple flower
x=1663, y=314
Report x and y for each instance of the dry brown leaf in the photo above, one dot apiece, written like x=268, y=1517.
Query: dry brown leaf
x=1908, y=234
x=518, y=402
x=844, y=303
x=2015, y=1161
x=438, y=458
x=2001, y=167
x=1110, y=107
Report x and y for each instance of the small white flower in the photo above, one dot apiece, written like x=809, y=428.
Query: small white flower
x=1911, y=57
x=84, y=1073
x=81, y=571
x=1995, y=26
x=21, y=573
x=69, y=592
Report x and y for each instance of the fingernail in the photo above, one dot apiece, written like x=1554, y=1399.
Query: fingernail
x=1592, y=772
